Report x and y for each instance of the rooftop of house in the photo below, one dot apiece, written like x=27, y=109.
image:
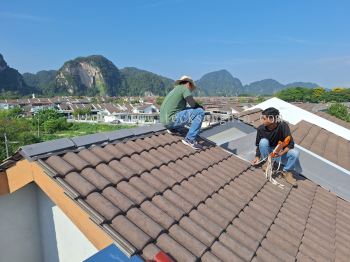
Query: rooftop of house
x=320, y=110
x=333, y=119
x=149, y=192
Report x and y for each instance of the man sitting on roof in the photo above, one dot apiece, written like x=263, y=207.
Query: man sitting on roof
x=175, y=115
x=268, y=135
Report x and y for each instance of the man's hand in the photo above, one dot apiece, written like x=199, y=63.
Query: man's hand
x=197, y=105
x=256, y=161
x=281, y=153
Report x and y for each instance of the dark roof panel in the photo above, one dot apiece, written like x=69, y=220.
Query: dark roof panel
x=52, y=146
x=89, y=139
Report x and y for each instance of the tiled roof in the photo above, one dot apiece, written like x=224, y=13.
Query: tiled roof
x=333, y=119
x=323, y=143
x=311, y=107
x=250, y=117
x=317, y=108
x=152, y=193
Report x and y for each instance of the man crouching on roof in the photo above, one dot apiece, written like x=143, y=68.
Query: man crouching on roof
x=273, y=130
x=174, y=114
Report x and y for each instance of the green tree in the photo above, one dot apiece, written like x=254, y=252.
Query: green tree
x=160, y=100
x=340, y=111
x=18, y=131
x=45, y=114
x=82, y=111
x=317, y=94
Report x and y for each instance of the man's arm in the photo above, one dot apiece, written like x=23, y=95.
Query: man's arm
x=192, y=103
x=286, y=133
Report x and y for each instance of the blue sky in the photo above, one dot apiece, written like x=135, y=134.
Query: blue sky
x=296, y=40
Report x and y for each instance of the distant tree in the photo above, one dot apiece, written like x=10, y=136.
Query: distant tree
x=260, y=99
x=243, y=99
x=314, y=95
x=46, y=114
x=160, y=100
x=318, y=94
x=119, y=101
x=49, y=121
x=82, y=112
x=15, y=112
x=93, y=100
x=340, y=111
x=18, y=131
x=53, y=125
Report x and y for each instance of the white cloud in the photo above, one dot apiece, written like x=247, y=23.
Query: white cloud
x=18, y=16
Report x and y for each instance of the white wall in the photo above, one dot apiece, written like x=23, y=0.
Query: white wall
x=33, y=229
x=19, y=226
x=72, y=245
x=61, y=239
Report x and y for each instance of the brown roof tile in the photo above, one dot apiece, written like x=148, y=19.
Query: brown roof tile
x=110, y=174
x=224, y=253
x=116, y=152
x=90, y=157
x=333, y=119
x=95, y=178
x=103, y=206
x=176, y=250
x=187, y=240
x=61, y=166
x=157, y=214
x=121, y=169
x=237, y=247
x=178, y=200
x=322, y=142
x=150, y=251
x=118, y=199
x=168, y=207
x=76, y=161
x=80, y=184
x=130, y=231
x=102, y=153
x=197, y=231
x=131, y=192
x=209, y=257
x=205, y=222
x=144, y=222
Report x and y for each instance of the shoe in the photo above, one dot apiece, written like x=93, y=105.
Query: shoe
x=195, y=145
x=288, y=176
x=176, y=132
x=172, y=131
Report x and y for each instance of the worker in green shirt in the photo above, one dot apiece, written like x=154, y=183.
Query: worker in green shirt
x=174, y=114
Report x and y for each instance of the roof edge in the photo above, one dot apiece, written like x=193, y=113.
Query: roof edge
x=39, y=150
x=35, y=151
